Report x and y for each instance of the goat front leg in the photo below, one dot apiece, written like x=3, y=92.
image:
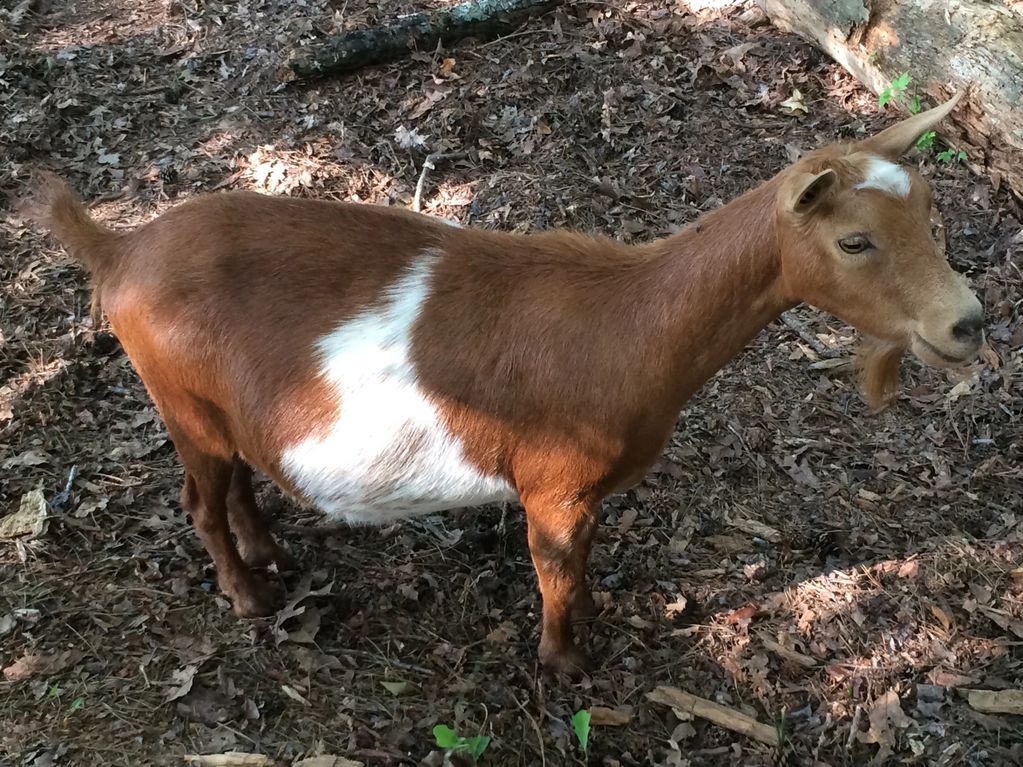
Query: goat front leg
x=560, y=536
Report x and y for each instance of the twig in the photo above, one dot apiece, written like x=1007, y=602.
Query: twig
x=854, y=728
x=799, y=328
x=716, y=713
x=536, y=728
x=430, y=163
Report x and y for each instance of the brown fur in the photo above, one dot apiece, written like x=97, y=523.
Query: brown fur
x=561, y=361
x=878, y=364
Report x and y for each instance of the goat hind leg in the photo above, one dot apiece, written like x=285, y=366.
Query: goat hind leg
x=256, y=545
x=204, y=497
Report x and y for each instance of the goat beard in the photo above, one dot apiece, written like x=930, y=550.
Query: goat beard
x=878, y=365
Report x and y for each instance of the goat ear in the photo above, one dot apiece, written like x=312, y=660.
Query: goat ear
x=893, y=142
x=805, y=191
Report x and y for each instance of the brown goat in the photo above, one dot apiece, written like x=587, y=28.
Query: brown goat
x=379, y=364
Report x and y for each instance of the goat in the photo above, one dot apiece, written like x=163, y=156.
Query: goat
x=378, y=364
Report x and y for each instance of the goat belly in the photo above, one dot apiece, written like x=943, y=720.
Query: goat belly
x=387, y=454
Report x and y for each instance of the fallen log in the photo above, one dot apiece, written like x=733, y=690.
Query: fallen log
x=481, y=19
x=944, y=45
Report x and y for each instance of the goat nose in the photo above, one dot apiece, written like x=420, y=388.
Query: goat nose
x=968, y=330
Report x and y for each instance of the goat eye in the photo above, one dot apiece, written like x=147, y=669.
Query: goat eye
x=857, y=243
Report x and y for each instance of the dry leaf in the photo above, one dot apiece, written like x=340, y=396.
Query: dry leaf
x=885, y=713
x=942, y=616
x=447, y=67
x=29, y=665
x=29, y=519
x=182, y=679
x=610, y=717
x=24, y=667
x=788, y=653
x=503, y=632
x=395, y=688
x=28, y=458
x=1003, y=619
x=990, y=356
x=676, y=608
x=628, y=519
x=795, y=102
x=327, y=760
x=295, y=695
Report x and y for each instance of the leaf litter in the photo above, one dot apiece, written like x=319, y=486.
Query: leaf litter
x=792, y=558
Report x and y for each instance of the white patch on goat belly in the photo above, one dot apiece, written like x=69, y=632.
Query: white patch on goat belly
x=885, y=176
x=388, y=454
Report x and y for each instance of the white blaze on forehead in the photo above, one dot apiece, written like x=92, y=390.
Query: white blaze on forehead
x=387, y=454
x=886, y=176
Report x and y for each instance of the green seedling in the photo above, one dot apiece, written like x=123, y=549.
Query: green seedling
x=950, y=155
x=448, y=739
x=581, y=727
x=894, y=90
x=779, y=728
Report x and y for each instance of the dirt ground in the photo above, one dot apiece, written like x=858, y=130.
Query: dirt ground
x=842, y=576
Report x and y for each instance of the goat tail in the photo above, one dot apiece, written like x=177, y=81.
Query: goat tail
x=53, y=205
x=878, y=363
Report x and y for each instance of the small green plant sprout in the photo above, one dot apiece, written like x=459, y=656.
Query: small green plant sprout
x=581, y=727
x=926, y=141
x=779, y=728
x=894, y=90
x=448, y=739
x=950, y=156
x=76, y=704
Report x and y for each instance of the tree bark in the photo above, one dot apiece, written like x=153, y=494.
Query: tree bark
x=944, y=45
x=483, y=19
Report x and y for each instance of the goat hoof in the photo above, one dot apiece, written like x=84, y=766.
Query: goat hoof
x=570, y=661
x=257, y=599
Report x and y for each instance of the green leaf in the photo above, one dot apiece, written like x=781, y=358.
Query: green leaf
x=914, y=105
x=926, y=141
x=445, y=736
x=898, y=85
x=961, y=155
x=477, y=745
x=581, y=726
x=946, y=155
x=901, y=82
x=77, y=703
